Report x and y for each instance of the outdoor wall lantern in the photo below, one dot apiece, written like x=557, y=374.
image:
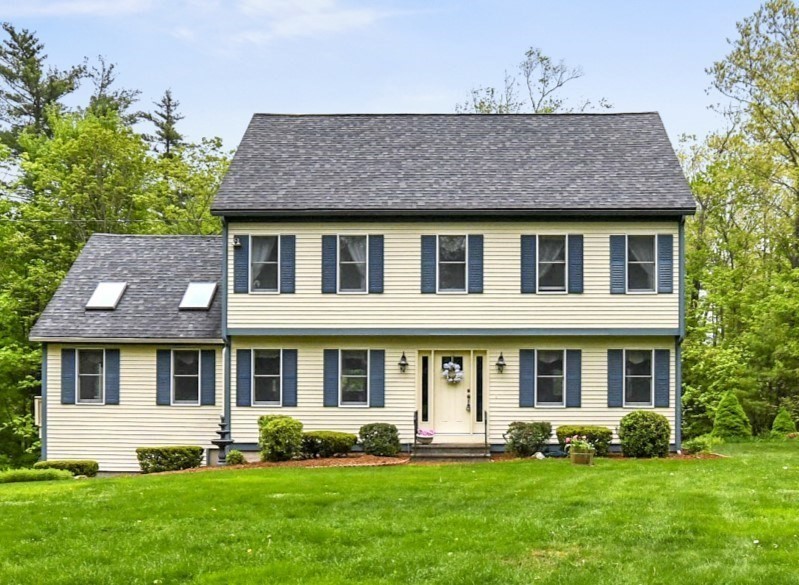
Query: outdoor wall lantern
x=501, y=363
x=403, y=363
x=236, y=242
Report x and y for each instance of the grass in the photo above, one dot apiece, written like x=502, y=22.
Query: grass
x=729, y=521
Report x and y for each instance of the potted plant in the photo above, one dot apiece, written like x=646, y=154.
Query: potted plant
x=580, y=449
x=425, y=436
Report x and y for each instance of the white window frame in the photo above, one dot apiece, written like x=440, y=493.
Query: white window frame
x=341, y=375
x=651, y=403
x=627, y=290
x=465, y=267
x=100, y=402
x=535, y=381
x=263, y=404
x=565, y=265
x=365, y=290
x=249, y=265
x=172, y=401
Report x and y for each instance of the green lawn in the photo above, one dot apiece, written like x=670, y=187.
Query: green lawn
x=732, y=520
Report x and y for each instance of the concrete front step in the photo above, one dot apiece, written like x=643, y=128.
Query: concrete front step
x=451, y=452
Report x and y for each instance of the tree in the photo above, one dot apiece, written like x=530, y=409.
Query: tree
x=105, y=98
x=731, y=421
x=165, y=118
x=783, y=424
x=27, y=89
x=539, y=92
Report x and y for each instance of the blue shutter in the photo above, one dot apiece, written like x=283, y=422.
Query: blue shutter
x=329, y=259
x=665, y=263
x=377, y=378
x=163, y=377
x=241, y=265
x=662, y=389
x=526, y=377
x=243, y=377
x=112, y=376
x=375, y=264
x=475, y=243
x=615, y=377
x=288, y=245
x=618, y=265
x=575, y=263
x=289, y=380
x=331, y=377
x=574, y=367
x=67, y=376
x=208, y=377
x=528, y=264
x=428, y=264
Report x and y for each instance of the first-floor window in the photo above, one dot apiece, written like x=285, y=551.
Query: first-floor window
x=549, y=377
x=638, y=377
x=266, y=377
x=90, y=375
x=186, y=377
x=354, y=382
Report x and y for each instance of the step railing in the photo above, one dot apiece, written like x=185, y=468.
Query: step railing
x=415, y=425
x=485, y=430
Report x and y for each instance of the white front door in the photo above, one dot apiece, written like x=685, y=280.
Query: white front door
x=452, y=398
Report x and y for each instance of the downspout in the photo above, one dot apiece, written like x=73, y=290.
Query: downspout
x=680, y=339
x=225, y=338
x=43, y=456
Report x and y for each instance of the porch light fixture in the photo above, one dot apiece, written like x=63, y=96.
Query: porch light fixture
x=236, y=242
x=501, y=363
x=403, y=363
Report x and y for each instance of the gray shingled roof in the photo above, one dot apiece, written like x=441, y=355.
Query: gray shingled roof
x=420, y=163
x=157, y=270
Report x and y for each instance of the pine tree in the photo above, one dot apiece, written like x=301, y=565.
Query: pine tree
x=731, y=420
x=783, y=424
x=165, y=118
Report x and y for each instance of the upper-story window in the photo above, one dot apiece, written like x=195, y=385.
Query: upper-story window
x=638, y=389
x=452, y=263
x=353, y=267
x=641, y=263
x=552, y=263
x=90, y=375
x=186, y=376
x=264, y=263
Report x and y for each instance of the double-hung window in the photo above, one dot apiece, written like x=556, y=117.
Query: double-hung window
x=641, y=264
x=354, y=382
x=266, y=372
x=186, y=376
x=352, y=264
x=90, y=376
x=552, y=263
x=550, y=377
x=452, y=263
x=638, y=377
x=264, y=264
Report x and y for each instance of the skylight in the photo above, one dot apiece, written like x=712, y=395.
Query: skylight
x=198, y=295
x=106, y=296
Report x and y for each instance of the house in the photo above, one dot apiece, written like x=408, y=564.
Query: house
x=450, y=271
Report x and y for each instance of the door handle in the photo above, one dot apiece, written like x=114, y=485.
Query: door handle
x=468, y=400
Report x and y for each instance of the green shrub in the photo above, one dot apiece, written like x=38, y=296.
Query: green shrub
x=235, y=457
x=783, y=424
x=380, y=439
x=599, y=436
x=524, y=439
x=76, y=466
x=16, y=475
x=280, y=437
x=731, y=421
x=327, y=443
x=156, y=459
x=644, y=433
x=701, y=444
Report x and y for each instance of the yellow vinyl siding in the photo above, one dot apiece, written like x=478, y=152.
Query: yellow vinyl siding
x=501, y=305
x=110, y=434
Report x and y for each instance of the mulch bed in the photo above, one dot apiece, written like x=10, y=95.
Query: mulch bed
x=351, y=460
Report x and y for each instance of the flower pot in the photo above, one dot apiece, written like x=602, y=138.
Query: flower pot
x=584, y=458
x=424, y=440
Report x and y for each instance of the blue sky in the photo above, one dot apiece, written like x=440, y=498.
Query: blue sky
x=226, y=59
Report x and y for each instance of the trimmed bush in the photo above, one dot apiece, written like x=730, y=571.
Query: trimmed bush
x=644, y=433
x=524, y=439
x=783, y=424
x=599, y=436
x=18, y=475
x=380, y=439
x=280, y=437
x=327, y=443
x=731, y=421
x=702, y=444
x=235, y=457
x=156, y=459
x=76, y=466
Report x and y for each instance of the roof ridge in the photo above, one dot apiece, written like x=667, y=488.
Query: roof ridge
x=448, y=114
x=107, y=235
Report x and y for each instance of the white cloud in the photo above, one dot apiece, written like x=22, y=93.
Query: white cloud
x=18, y=8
